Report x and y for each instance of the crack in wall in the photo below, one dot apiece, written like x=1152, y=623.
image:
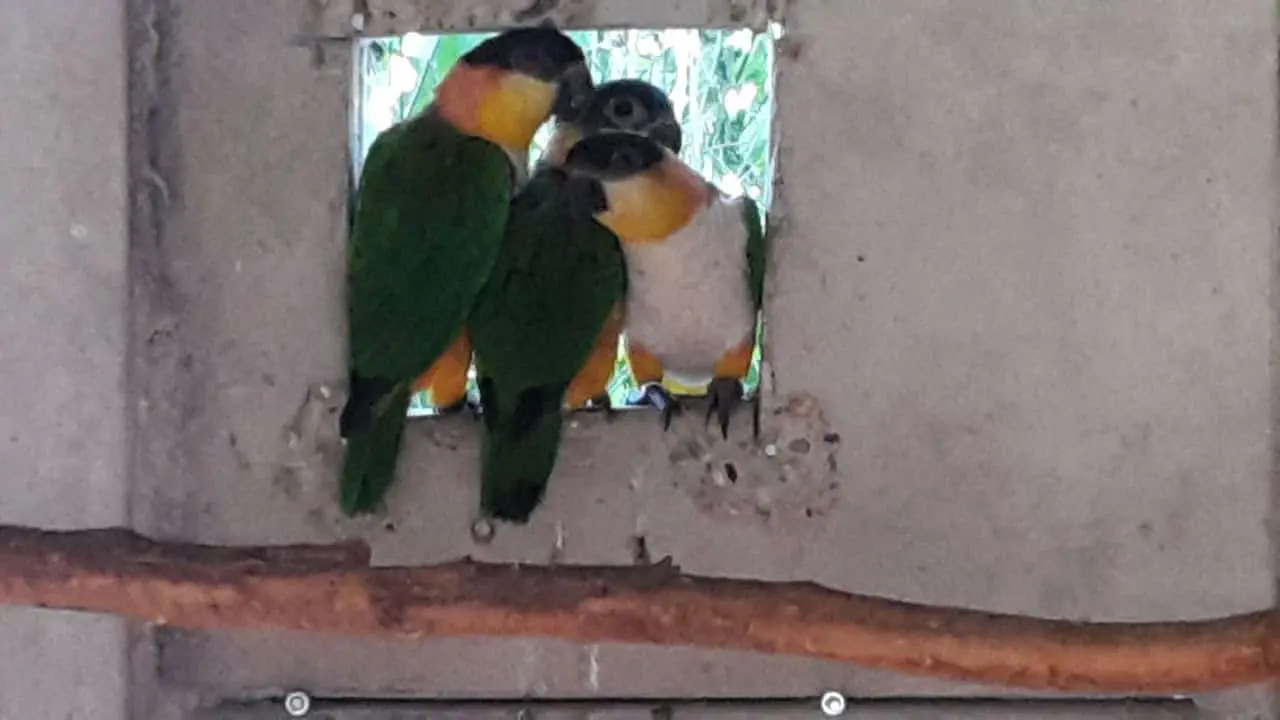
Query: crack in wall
x=157, y=360
x=154, y=343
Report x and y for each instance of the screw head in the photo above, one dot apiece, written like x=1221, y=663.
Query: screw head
x=482, y=531
x=833, y=704
x=297, y=703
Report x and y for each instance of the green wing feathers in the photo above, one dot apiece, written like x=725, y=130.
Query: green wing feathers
x=533, y=327
x=374, y=429
x=428, y=225
x=757, y=248
x=518, y=450
x=428, y=222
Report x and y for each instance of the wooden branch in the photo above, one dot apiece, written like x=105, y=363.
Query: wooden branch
x=333, y=589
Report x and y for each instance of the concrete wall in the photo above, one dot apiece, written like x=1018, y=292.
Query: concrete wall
x=1023, y=273
x=63, y=224
x=1024, y=269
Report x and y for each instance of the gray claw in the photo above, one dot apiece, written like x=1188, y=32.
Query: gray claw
x=606, y=406
x=664, y=402
x=463, y=404
x=725, y=395
x=453, y=409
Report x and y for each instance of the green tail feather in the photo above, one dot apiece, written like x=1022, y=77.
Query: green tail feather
x=373, y=438
x=518, y=452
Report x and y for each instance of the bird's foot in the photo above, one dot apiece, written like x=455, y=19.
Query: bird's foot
x=456, y=408
x=667, y=405
x=725, y=394
x=604, y=404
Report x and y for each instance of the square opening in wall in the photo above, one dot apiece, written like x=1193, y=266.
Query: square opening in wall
x=720, y=83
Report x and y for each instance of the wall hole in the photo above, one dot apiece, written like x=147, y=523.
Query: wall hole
x=721, y=83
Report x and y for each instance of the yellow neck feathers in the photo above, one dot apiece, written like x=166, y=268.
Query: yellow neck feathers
x=501, y=106
x=648, y=207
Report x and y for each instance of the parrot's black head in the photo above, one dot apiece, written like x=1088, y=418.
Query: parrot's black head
x=605, y=158
x=633, y=106
x=543, y=53
x=613, y=156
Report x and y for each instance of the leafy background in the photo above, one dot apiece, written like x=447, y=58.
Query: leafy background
x=720, y=82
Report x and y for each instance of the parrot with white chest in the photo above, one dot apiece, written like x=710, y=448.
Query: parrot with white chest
x=695, y=267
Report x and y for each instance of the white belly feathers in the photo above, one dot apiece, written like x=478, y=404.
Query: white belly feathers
x=688, y=301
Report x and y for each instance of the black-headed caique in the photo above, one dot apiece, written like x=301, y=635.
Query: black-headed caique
x=545, y=326
x=695, y=266
x=628, y=105
x=429, y=220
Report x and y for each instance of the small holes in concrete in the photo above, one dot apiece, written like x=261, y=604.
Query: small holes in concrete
x=640, y=550
x=785, y=476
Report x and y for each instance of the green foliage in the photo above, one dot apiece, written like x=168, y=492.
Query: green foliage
x=721, y=83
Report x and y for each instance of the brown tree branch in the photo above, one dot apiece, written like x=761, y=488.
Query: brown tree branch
x=333, y=589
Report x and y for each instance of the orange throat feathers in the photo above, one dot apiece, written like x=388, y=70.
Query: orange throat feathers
x=501, y=106
x=650, y=206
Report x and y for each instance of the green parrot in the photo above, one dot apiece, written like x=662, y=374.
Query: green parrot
x=545, y=326
x=429, y=220
x=695, y=263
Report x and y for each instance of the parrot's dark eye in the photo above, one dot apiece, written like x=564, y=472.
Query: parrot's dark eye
x=626, y=114
x=620, y=109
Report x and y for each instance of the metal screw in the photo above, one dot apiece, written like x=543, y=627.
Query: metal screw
x=482, y=531
x=297, y=703
x=833, y=704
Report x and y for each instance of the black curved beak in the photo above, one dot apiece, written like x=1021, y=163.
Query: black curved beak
x=586, y=196
x=668, y=134
x=574, y=93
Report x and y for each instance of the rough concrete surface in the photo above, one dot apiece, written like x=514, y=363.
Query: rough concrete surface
x=62, y=284
x=1043, y=323
x=1023, y=267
